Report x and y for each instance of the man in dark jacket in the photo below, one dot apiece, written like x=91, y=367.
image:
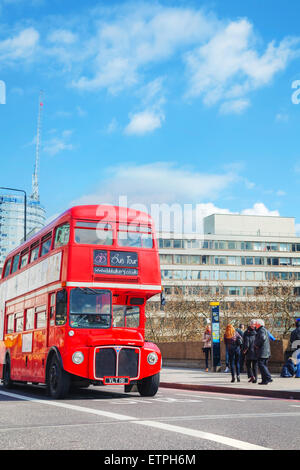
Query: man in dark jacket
x=249, y=352
x=263, y=351
x=295, y=337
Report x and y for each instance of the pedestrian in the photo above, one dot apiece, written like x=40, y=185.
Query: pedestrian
x=207, y=345
x=233, y=341
x=263, y=351
x=249, y=352
x=295, y=337
x=241, y=331
x=226, y=359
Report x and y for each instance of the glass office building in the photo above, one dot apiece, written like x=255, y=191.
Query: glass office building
x=12, y=221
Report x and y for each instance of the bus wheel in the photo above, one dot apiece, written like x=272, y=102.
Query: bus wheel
x=148, y=386
x=7, y=382
x=58, y=382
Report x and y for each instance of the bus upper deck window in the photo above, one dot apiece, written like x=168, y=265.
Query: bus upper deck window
x=93, y=233
x=34, y=252
x=24, y=259
x=62, y=235
x=138, y=236
x=7, y=268
x=15, y=263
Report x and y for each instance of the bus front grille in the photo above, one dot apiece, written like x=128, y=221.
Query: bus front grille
x=117, y=362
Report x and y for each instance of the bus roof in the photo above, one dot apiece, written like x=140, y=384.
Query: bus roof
x=90, y=212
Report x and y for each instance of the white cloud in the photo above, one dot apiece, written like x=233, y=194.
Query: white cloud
x=59, y=143
x=234, y=106
x=22, y=46
x=228, y=66
x=260, y=209
x=62, y=36
x=159, y=182
x=144, y=122
x=124, y=45
x=177, y=198
x=282, y=117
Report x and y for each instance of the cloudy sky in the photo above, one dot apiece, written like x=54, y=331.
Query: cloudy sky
x=171, y=102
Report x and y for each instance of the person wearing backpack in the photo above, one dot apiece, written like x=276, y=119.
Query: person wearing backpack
x=263, y=351
x=249, y=352
x=233, y=341
x=295, y=337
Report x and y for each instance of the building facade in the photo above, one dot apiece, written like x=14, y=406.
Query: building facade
x=12, y=221
x=237, y=252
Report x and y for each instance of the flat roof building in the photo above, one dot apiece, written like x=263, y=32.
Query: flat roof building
x=239, y=252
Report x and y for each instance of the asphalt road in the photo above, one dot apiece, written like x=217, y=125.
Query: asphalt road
x=106, y=418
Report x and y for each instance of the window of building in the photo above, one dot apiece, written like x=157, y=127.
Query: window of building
x=259, y=276
x=166, y=259
x=205, y=275
x=285, y=261
x=233, y=291
x=272, y=247
x=249, y=275
x=177, y=243
x=284, y=247
x=231, y=245
x=223, y=275
x=220, y=260
x=247, y=245
x=180, y=259
x=195, y=259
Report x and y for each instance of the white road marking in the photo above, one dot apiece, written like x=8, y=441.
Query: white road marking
x=212, y=398
x=235, y=443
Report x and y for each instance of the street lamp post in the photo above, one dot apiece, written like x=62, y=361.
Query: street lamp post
x=25, y=206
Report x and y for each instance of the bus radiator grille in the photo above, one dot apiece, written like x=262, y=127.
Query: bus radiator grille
x=106, y=362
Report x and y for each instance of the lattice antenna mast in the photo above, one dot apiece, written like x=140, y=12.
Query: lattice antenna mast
x=35, y=177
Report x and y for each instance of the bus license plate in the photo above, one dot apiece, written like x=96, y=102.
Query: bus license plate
x=116, y=380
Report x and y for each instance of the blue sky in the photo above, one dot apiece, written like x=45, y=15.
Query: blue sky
x=183, y=102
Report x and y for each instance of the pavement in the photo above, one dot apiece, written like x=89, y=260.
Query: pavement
x=199, y=380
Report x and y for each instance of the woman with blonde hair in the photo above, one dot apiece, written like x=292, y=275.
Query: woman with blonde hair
x=207, y=345
x=233, y=341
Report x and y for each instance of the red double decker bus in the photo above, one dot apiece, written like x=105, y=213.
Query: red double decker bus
x=72, y=303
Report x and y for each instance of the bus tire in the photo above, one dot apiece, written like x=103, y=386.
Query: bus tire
x=148, y=386
x=58, y=382
x=7, y=382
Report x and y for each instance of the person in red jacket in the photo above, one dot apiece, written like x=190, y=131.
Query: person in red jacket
x=233, y=341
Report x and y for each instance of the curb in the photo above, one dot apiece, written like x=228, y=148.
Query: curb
x=286, y=394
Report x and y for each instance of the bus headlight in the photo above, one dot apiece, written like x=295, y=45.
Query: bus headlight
x=77, y=357
x=152, y=358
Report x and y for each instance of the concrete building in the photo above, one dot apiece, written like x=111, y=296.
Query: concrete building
x=237, y=251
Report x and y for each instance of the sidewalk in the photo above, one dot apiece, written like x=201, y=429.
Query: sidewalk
x=199, y=380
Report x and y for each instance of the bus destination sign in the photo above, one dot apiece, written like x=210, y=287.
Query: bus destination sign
x=128, y=259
